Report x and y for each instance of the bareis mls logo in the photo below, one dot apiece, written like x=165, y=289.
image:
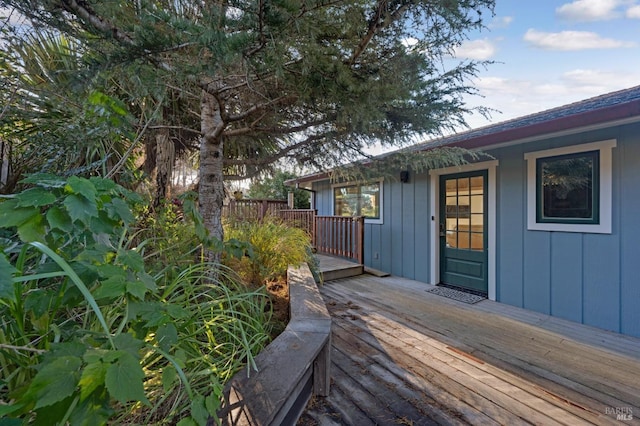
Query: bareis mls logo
x=621, y=413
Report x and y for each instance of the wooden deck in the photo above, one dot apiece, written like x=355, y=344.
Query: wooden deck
x=403, y=356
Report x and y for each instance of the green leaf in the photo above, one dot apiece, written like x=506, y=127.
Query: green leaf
x=35, y=197
x=53, y=414
x=103, y=224
x=137, y=289
x=119, y=210
x=94, y=410
x=82, y=186
x=169, y=377
x=80, y=208
x=93, y=376
x=126, y=342
x=167, y=336
x=212, y=402
x=32, y=229
x=187, y=421
x=102, y=184
x=6, y=278
x=131, y=259
x=12, y=215
x=177, y=312
x=56, y=381
x=40, y=301
x=124, y=380
x=73, y=348
x=8, y=409
x=199, y=410
x=112, y=287
x=148, y=281
x=59, y=219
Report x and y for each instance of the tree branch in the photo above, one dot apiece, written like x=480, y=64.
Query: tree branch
x=281, y=100
x=380, y=20
x=82, y=10
x=277, y=130
x=276, y=156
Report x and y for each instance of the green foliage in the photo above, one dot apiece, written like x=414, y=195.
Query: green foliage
x=274, y=246
x=273, y=187
x=96, y=328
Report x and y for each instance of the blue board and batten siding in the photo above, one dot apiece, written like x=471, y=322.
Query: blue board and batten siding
x=400, y=245
x=589, y=278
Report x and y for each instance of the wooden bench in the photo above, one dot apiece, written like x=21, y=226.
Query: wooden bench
x=293, y=367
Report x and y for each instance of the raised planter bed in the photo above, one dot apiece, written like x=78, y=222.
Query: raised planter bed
x=295, y=366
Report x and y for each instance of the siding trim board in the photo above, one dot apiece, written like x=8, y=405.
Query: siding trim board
x=434, y=208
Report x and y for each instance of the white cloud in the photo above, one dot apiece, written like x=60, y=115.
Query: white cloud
x=501, y=22
x=590, y=10
x=410, y=42
x=599, y=81
x=572, y=40
x=514, y=98
x=633, y=12
x=476, y=49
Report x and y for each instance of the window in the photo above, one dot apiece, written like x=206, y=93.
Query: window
x=569, y=188
x=359, y=200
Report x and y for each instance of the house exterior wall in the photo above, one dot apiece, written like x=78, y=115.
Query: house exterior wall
x=587, y=278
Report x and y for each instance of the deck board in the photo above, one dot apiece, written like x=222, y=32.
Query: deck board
x=405, y=356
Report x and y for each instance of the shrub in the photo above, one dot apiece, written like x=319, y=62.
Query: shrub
x=274, y=247
x=91, y=334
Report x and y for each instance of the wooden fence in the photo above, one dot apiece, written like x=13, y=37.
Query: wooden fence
x=333, y=235
x=299, y=218
x=253, y=209
x=340, y=236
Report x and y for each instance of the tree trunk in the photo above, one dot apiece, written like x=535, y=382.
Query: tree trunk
x=165, y=159
x=211, y=186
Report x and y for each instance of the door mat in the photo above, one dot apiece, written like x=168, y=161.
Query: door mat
x=458, y=295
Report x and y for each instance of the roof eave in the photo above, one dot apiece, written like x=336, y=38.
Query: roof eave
x=594, y=118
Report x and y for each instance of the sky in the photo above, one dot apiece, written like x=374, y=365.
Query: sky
x=550, y=53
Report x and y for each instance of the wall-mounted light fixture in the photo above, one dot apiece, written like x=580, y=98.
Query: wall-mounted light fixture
x=404, y=176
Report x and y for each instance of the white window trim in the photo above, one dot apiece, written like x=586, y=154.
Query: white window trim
x=380, y=220
x=606, y=185
x=492, y=201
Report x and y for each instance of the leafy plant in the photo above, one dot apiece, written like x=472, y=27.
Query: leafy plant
x=89, y=333
x=274, y=245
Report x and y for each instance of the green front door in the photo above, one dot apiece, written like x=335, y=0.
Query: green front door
x=463, y=230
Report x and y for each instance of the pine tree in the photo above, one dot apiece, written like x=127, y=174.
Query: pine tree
x=311, y=81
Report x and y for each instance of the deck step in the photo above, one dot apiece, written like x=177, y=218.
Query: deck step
x=342, y=272
x=376, y=272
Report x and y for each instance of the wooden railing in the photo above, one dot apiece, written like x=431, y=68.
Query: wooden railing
x=253, y=209
x=303, y=219
x=333, y=235
x=292, y=368
x=340, y=236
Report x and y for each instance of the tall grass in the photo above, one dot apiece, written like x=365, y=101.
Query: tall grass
x=274, y=245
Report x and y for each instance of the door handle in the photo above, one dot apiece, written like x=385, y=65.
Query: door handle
x=443, y=231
